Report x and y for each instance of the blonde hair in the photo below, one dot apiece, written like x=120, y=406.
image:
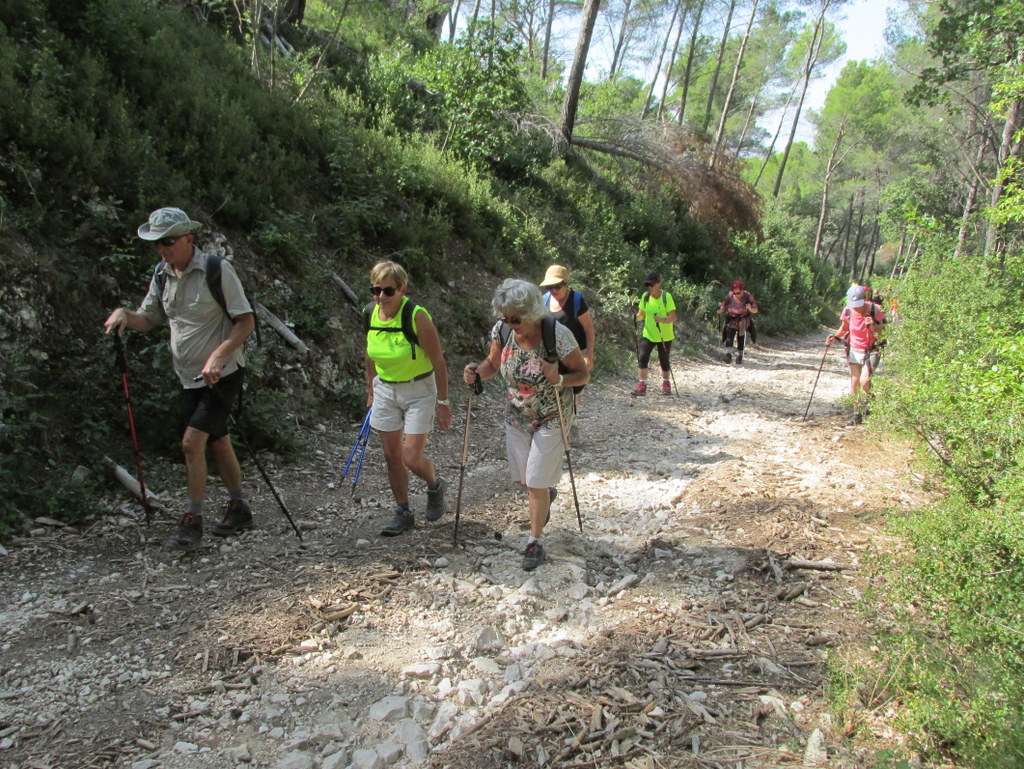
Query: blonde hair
x=395, y=271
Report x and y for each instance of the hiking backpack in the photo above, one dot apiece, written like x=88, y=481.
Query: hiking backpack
x=408, y=329
x=577, y=297
x=213, y=282
x=547, y=335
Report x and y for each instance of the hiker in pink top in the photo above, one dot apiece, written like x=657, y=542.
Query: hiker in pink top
x=859, y=326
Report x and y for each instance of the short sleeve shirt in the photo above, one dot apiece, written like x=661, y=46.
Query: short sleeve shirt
x=530, y=398
x=198, y=324
x=663, y=305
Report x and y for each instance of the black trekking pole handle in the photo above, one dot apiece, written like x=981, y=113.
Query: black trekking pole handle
x=255, y=459
x=122, y=366
x=823, y=357
x=475, y=389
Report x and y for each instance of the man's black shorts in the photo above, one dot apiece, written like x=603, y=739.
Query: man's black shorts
x=207, y=409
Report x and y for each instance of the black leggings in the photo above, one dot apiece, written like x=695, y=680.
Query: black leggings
x=646, y=346
x=729, y=334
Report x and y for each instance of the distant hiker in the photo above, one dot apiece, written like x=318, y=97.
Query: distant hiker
x=570, y=309
x=200, y=297
x=406, y=383
x=540, y=361
x=657, y=310
x=738, y=306
x=859, y=324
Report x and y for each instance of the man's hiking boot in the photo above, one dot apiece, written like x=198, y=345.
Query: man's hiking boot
x=435, y=500
x=640, y=389
x=402, y=522
x=728, y=357
x=533, y=556
x=189, y=534
x=237, y=517
x=666, y=388
x=739, y=358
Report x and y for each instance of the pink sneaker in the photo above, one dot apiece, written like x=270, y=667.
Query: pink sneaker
x=640, y=389
x=665, y=388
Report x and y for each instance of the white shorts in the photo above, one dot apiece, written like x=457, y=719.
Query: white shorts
x=535, y=459
x=407, y=406
x=858, y=357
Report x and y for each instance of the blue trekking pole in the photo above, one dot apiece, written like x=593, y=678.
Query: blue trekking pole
x=362, y=453
x=363, y=429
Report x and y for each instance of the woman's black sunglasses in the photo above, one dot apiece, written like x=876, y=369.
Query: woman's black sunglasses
x=386, y=290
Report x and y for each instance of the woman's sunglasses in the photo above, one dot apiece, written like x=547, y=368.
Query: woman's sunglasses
x=513, y=321
x=386, y=290
x=557, y=286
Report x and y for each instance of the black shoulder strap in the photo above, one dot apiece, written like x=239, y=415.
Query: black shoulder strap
x=408, y=327
x=547, y=335
x=213, y=282
x=503, y=334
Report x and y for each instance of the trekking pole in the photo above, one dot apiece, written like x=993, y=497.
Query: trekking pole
x=476, y=388
x=823, y=357
x=255, y=459
x=568, y=459
x=355, y=447
x=365, y=437
x=122, y=366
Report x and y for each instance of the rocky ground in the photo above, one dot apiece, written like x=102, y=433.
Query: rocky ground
x=680, y=628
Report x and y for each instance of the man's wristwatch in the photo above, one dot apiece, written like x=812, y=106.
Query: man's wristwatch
x=444, y=402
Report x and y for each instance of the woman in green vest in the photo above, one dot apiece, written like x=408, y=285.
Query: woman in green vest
x=658, y=312
x=407, y=385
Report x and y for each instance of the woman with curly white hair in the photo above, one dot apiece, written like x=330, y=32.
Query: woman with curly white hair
x=541, y=362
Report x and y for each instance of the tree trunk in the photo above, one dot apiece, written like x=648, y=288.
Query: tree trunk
x=661, y=60
x=856, y=240
x=547, y=40
x=1009, y=147
x=454, y=20
x=579, y=63
x=620, y=40
x=830, y=168
x=775, y=139
x=812, y=56
x=873, y=250
x=846, y=241
x=689, y=61
x=672, y=61
x=719, y=136
x=718, y=66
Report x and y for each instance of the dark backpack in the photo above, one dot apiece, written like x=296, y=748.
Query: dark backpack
x=577, y=297
x=213, y=265
x=213, y=270
x=407, y=329
x=547, y=335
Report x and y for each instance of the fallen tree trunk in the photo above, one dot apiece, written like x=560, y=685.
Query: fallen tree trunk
x=128, y=481
x=279, y=326
x=796, y=563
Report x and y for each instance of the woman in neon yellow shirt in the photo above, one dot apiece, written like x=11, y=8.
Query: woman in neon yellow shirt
x=407, y=383
x=658, y=312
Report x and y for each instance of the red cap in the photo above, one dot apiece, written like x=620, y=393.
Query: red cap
x=736, y=285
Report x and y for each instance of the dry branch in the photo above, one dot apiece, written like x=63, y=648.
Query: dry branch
x=796, y=563
x=280, y=327
x=129, y=482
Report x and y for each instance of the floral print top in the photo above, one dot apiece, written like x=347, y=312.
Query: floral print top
x=530, y=398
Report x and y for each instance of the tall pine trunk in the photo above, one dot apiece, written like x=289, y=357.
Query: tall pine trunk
x=689, y=61
x=718, y=66
x=719, y=136
x=579, y=64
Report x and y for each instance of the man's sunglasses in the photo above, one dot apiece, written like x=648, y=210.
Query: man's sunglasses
x=168, y=242
x=386, y=290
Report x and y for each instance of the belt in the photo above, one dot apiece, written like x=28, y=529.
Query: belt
x=424, y=375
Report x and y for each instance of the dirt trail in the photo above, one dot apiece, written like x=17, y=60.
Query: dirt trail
x=670, y=633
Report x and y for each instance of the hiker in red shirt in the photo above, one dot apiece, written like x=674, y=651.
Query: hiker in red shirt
x=738, y=305
x=859, y=326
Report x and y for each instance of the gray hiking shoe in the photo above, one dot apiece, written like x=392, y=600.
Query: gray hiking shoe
x=739, y=358
x=533, y=556
x=435, y=500
x=728, y=357
x=237, y=517
x=188, y=535
x=400, y=524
